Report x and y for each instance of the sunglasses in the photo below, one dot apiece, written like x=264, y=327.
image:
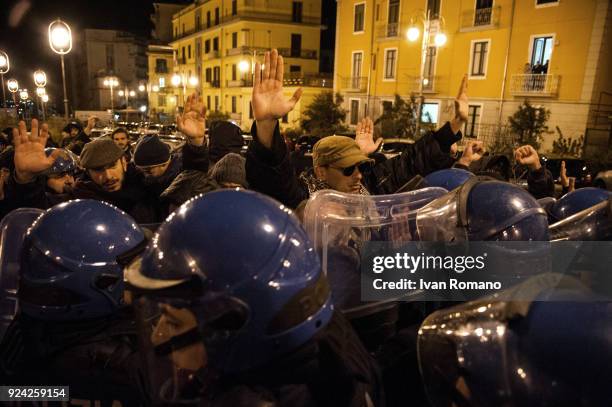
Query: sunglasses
x=348, y=171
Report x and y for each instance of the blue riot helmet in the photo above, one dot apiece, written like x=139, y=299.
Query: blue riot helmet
x=69, y=270
x=66, y=162
x=228, y=283
x=483, y=209
x=546, y=342
x=592, y=223
x=448, y=179
x=576, y=201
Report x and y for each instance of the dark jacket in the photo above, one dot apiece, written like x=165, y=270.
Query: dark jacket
x=269, y=171
x=75, y=144
x=334, y=369
x=188, y=184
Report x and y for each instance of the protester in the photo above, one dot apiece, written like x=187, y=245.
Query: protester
x=225, y=137
x=74, y=136
x=121, y=138
x=339, y=162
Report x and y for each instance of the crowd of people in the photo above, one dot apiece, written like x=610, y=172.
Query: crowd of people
x=155, y=276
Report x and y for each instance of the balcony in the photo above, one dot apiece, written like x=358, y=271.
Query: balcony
x=213, y=84
x=431, y=83
x=272, y=17
x=480, y=19
x=534, y=85
x=245, y=50
x=240, y=83
x=354, y=84
x=211, y=55
x=308, y=80
x=298, y=53
x=388, y=31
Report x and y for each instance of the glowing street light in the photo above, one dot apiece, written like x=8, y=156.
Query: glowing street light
x=60, y=40
x=45, y=99
x=243, y=66
x=23, y=94
x=440, y=39
x=121, y=93
x=155, y=88
x=176, y=80
x=413, y=34
x=193, y=81
x=40, y=92
x=40, y=78
x=111, y=82
x=132, y=93
x=5, y=66
x=141, y=88
x=13, y=85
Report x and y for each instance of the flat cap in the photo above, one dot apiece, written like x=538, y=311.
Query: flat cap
x=100, y=153
x=340, y=151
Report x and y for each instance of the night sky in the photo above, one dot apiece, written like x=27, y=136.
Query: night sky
x=24, y=24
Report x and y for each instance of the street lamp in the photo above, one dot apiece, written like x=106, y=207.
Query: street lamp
x=141, y=88
x=40, y=78
x=40, y=92
x=60, y=40
x=23, y=94
x=412, y=35
x=13, y=87
x=111, y=82
x=193, y=81
x=44, y=99
x=5, y=66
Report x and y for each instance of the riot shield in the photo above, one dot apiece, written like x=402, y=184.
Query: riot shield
x=594, y=223
x=13, y=229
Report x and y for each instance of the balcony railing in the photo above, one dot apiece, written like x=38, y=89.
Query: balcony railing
x=211, y=55
x=431, y=83
x=245, y=50
x=354, y=84
x=310, y=80
x=298, y=53
x=480, y=19
x=534, y=85
x=389, y=30
x=239, y=83
x=275, y=17
x=213, y=84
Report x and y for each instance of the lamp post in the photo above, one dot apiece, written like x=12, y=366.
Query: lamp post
x=40, y=80
x=40, y=92
x=13, y=87
x=111, y=82
x=44, y=99
x=412, y=35
x=23, y=95
x=5, y=66
x=60, y=40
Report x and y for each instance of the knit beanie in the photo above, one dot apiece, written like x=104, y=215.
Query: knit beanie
x=230, y=168
x=224, y=137
x=151, y=151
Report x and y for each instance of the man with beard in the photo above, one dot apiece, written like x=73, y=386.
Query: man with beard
x=120, y=137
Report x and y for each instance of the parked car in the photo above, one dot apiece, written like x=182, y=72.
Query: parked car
x=575, y=167
x=603, y=180
x=153, y=129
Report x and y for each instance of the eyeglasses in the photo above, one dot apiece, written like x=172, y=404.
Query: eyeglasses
x=348, y=171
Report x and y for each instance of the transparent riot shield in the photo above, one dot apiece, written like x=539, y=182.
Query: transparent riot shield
x=594, y=223
x=339, y=225
x=13, y=229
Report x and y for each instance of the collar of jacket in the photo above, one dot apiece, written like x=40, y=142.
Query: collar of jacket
x=314, y=184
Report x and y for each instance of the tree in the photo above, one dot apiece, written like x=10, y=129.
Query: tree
x=568, y=147
x=528, y=123
x=324, y=116
x=399, y=118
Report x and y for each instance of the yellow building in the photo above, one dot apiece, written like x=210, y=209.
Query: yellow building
x=565, y=43
x=162, y=101
x=216, y=42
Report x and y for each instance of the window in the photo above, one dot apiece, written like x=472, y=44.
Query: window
x=234, y=7
x=233, y=104
x=354, y=111
x=393, y=18
x=390, y=61
x=356, y=69
x=198, y=21
x=478, y=61
x=295, y=68
x=161, y=65
x=433, y=7
x=208, y=101
x=377, y=12
x=183, y=27
x=217, y=103
x=216, y=76
x=208, y=19
x=208, y=76
x=541, y=51
x=429, y=68
x=217, y=16
x=206, y=46
x=161, y=100
x=250, y=110
x=359, y=18
x=162, y=82
x=235, y=40
x=216, y=44
x=234, y=72
x=296, y=13
x=482, y=14
x=429, y=114
x=547, y=2
x=110, y=57
x=183, y=54
x=296, y=45
x=189, y=51
x=198, y=48
x=471, y=127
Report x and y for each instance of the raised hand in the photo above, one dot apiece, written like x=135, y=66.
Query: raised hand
x=30, y=157
x=527, y=155
x=192, y=122
x=269, y=103
x=461, y=106
x=91, y=122
x=563, y=175
x=473, y=151
x=364, y=136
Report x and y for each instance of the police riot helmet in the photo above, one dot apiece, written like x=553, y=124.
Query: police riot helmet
x=66, y=162
x=448, y=179
x=69, y=270
x=576, y=201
